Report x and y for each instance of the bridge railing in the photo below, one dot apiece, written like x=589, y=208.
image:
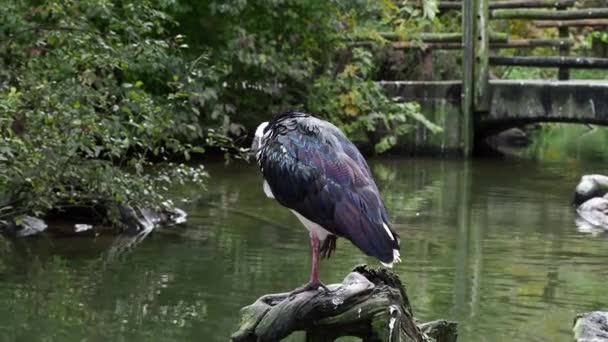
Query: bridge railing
x=479, y=44
x=560, y=14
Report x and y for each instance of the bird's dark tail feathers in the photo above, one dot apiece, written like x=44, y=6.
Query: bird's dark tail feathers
x=328, y=246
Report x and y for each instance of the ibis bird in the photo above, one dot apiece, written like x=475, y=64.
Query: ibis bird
x=309, y=166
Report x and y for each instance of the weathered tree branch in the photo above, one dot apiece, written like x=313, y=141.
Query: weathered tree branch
x=369, y=304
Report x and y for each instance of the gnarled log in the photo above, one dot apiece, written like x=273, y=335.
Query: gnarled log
x=370, y=304
x=591, y=327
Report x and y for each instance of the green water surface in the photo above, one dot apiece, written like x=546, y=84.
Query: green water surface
x=490, y=244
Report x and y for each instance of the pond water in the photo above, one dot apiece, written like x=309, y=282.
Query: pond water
x=490, y=244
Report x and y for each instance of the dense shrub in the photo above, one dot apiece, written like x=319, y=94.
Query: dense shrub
x=310, y=55
x=93, y=91
x=89, y=91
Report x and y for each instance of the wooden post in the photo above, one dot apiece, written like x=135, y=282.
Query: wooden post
x=563, y=73
x=427, y=63
x=482, y=51
x=468, y=67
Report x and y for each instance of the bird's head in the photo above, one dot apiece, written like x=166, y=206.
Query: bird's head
x=257, y=139
x=586, y=189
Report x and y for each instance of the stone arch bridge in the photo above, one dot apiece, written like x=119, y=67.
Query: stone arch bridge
x=477, y=106
x=512, y=103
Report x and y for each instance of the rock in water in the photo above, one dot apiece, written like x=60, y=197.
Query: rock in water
x=135, y=220
x=82, y=227
x=591, y=327
x=26, y=226
x=145, y=219
x=595, y=211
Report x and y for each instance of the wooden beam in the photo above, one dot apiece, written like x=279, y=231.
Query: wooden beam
x=426, y=37
x=440, y=37
x=441, y=5
x=498, y=36
x=572, y=23
x=511, y=44
x=424, y=46
x=552, y=62
x=456, y=5
x=532, y=43
x=445, y=37
x=482, y=51
x=426, y=61
x=468, y=92
x=564, y=32
x=531, y=3
x=537, y=14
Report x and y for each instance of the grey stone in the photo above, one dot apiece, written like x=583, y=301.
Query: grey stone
x=591, y=327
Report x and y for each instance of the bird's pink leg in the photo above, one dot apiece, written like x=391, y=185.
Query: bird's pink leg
x=314, y=245
x=314, y=282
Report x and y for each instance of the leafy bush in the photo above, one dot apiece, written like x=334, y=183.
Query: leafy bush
x=298, y=54
x=93, y=91
x=89, y=91
x=359, y=105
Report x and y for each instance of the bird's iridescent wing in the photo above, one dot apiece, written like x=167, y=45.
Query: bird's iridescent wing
x=315, y=170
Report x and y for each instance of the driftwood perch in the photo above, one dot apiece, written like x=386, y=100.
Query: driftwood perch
x=591, y=327
x=369, y=304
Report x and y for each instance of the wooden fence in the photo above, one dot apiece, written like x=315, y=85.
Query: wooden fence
x=477, y=41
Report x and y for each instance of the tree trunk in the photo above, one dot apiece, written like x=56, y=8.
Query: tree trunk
x=369, y=304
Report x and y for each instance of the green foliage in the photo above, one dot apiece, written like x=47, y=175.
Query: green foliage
x=569, y=142
x=89, y=91
x=298, y=54
x=359, y=105
x=596, y=35
x=93, y=91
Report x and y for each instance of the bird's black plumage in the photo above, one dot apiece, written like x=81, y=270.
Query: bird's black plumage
x=312, y=168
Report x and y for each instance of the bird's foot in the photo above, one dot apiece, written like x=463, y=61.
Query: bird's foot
x=310, y=286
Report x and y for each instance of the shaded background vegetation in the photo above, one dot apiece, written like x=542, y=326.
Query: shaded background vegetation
x=93, y=91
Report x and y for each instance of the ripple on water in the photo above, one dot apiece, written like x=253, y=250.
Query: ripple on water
x=496, y=250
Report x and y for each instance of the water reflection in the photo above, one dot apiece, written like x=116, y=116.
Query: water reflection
x=492, y=245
